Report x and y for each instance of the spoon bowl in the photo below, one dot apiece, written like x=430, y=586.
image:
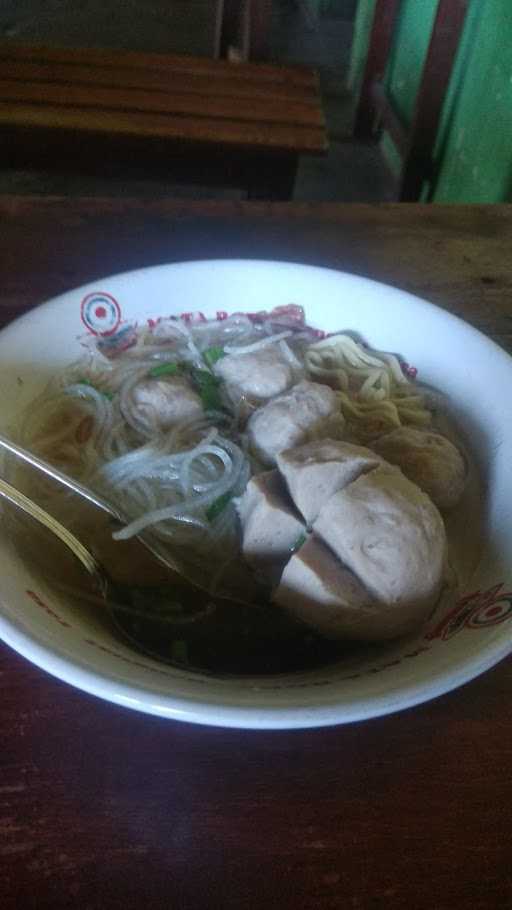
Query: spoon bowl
x=241, y=587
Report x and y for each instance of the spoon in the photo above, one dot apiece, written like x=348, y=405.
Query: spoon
x=76, y=487
x=77, y=548
x=160, y=607
x=245, y=581
x=199, y=632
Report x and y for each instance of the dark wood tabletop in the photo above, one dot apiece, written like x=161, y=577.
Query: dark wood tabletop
x=101, y=807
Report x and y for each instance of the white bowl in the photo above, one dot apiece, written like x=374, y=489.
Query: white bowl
x=462, y=640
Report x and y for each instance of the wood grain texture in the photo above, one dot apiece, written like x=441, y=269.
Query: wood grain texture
x=206, y=105
x=227, y=84
x=166, y=63
x=90, y=92
x=208, y=130
x=104, y=808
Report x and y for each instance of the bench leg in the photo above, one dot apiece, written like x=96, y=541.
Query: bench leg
x=272, y=178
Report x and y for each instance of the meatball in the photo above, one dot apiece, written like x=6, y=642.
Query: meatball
x=316, y=470
x=166, y=402
x=429, y=460
x=318, y=590
x=309, y=410
x=391, y=536
x=257, y=374
x=270, y=525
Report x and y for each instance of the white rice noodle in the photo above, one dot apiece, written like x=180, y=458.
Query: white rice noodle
x=102, y=410
x=257, y=345
x=199, y=458
x=181, y=510
x=184, y=330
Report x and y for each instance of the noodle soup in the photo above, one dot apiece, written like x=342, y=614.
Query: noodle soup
x=184, y=428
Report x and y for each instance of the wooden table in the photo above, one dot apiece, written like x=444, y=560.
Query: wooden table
x=104, y=808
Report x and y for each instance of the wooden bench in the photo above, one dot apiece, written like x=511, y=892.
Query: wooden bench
x=195, y=119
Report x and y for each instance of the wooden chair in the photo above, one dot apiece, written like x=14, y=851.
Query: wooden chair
x=195, y=119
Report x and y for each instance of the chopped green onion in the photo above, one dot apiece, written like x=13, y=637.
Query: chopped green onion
x=298, y=543
x=164, y=369
x=213, y=354
x=84, y=381
x=218, y=506
x=208, y=387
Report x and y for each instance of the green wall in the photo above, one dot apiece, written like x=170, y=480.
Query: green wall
x=410, y=45
x=474, y=147
x=475, y=138
x=362, y=28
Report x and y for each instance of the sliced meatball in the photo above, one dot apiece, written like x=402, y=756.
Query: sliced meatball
x=165, y=402
x=257, y=374
x=428, y=459
x=391, y=535
x=316, y=589
x=316, y=470
x=270, y=525
x=309, y=410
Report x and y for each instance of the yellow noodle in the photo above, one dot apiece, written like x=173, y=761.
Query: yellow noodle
x=375, y=396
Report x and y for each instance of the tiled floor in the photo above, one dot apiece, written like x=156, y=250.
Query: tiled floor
x=351, y=172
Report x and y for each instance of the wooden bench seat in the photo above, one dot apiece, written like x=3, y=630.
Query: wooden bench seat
x=242, y=124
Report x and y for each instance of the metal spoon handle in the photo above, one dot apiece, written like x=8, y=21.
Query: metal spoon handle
x=18, y=499
x=59, y=477
x=165, y=558
x=163, y=554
